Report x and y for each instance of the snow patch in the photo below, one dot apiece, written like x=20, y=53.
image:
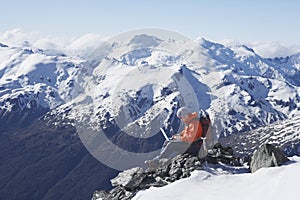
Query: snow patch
x=267, y=183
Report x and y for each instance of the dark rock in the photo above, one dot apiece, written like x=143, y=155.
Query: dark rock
x=135, y=181
x=129, y=182
x=191, y=162
x=179, y=159
x=118, y=193
x=162, y=171
x=150, y=181
x=164, y=162
x=114, y=194
x=121, y=193
x=102, y=194
x=227, y=151
x=236, y=162
x=130, y=178
x=247, y=159
x=210, y=159
x=175, y=172
x=147, y=182
x=267, y=156
x=161, y=165
x=224, y=155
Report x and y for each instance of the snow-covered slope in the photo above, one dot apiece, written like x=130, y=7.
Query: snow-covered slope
x=240, y=89
x=284, y=134
x=140, y=81
x=268, y=184
x=144, y=77
x=252, y=91
x=33, y=82
x=46, y=79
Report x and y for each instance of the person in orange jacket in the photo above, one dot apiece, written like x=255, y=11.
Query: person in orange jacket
x=180, y=143
x=193, y=128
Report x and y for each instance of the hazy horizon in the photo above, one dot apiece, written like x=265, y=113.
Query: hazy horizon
x=268, y=25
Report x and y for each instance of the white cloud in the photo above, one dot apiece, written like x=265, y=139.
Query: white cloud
x=85, y=43
x=17, y=37
x=274, y=49
x=267, y=48
x=73, y=45
x=88, y=40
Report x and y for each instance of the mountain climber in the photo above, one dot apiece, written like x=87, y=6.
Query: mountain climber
x=188, y=141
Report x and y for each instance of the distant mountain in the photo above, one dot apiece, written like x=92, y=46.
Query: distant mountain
x=240, y=89
x=284, y=134
x=128, y=87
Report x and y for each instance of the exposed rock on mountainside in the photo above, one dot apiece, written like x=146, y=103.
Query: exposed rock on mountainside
x=267, y=156
x=284, y=135
x=130, y=181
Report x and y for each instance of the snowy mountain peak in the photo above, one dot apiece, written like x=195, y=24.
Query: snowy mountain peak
x=144, y=41
x=3, y=45
x=45, y=79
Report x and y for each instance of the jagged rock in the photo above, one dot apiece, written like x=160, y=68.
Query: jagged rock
x=192, y=162
x=164, y=162
x=102, y=194
x=175, y=172
x=147, y=182
x=181, y=167
x=158, y=164
x=267, y=156
x=151, y=181
x=116, y=193
x=130, y=181
x=119, y=193
x=162, y=171
x=130, y=178
x=222, y=154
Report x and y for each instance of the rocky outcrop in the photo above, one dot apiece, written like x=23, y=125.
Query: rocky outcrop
x=130, y=178
x=224, y=155
x=267, y=156
x=130, y=181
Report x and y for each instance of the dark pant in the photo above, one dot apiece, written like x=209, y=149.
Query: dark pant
x=175, y=147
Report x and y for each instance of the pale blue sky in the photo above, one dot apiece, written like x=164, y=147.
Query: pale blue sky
x=247, y=21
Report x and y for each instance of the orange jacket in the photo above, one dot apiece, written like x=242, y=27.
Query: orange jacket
x=192, y=130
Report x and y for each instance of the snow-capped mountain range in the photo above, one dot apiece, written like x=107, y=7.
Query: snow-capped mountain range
x=240, y=89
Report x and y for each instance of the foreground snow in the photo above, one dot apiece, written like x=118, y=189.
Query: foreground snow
x=268, y=183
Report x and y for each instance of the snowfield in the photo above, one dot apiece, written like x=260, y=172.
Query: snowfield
x=267, y=183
